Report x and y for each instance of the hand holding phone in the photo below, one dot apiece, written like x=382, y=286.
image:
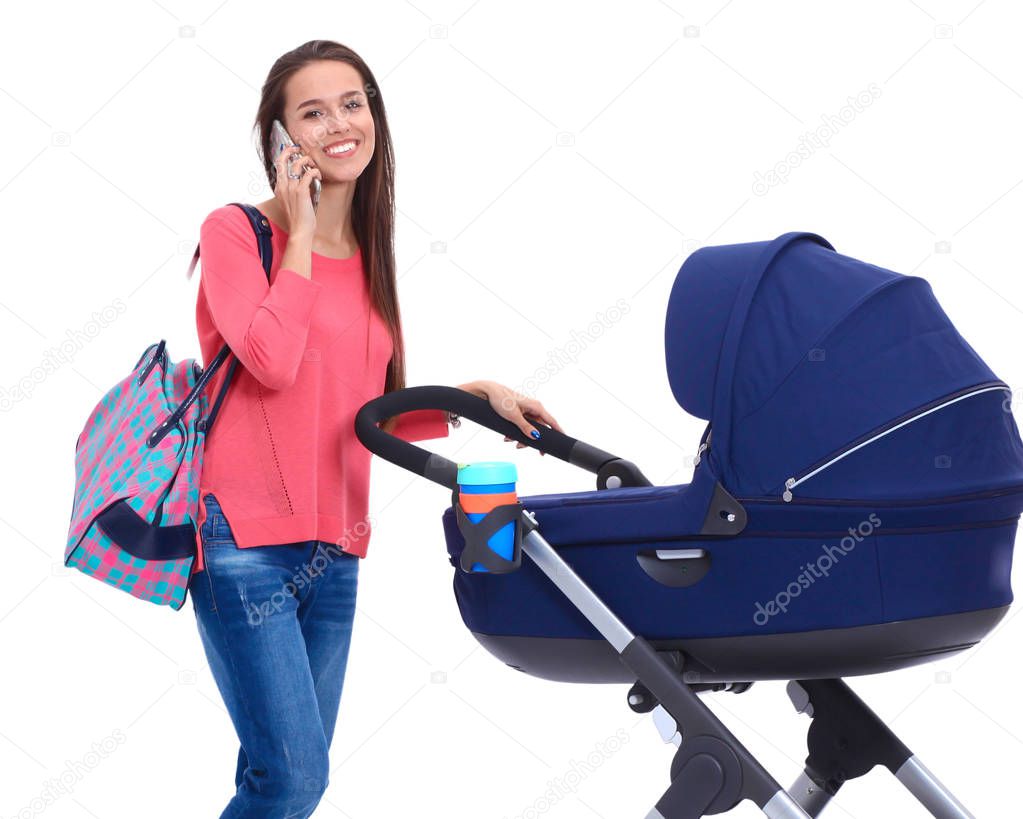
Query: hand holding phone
x=300, y=196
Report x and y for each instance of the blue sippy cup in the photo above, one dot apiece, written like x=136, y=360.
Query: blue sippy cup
x=482, y=486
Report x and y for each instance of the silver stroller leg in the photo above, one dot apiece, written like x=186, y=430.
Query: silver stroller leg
x=809, y=795
x=929, y=791
x=783, y=806
x=712, y=770
x=847, y=741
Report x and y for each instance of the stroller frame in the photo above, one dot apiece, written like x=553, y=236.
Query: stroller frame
x=712, y=771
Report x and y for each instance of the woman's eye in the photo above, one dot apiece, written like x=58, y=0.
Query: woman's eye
x=351, y=106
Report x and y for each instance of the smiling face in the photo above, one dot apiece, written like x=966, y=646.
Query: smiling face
x=326, y=109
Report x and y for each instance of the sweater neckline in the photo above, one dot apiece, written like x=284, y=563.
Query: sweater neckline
x=334, y=261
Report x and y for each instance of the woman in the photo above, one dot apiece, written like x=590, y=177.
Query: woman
x=283, y=469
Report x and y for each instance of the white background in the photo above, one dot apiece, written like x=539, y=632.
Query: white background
x=568, y=155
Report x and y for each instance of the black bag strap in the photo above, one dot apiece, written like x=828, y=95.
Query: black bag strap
x=261, y=227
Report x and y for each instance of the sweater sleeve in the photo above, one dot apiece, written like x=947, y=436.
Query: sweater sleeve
x=266, y=326
x=421, y=425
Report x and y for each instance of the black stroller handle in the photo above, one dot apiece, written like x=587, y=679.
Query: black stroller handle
x=611, y=470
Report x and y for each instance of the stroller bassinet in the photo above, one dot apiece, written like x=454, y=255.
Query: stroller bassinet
x=852, y=510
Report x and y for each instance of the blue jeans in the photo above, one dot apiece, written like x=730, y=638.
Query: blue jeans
x=276, y=625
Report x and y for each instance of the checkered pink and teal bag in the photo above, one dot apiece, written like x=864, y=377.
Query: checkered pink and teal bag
x=137, y=466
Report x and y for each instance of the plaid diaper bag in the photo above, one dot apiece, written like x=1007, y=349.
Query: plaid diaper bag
x=137, y=466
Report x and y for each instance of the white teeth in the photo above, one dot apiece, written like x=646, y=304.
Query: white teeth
x=342, y=150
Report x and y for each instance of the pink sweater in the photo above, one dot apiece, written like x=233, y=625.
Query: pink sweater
x=282, y=457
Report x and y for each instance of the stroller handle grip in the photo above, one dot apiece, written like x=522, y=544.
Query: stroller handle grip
x=444, y=471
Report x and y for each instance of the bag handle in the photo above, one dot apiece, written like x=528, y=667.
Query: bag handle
x=261, y=227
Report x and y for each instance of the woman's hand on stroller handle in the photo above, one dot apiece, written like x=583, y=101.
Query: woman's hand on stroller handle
x=475, y=408
x=610, y=469
x=514, y=407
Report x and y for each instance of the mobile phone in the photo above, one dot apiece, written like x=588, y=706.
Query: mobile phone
x=278, y=137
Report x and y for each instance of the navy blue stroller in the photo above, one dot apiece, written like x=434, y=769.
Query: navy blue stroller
x=852, y=510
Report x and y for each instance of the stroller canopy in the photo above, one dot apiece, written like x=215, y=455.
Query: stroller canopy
x=795, y=353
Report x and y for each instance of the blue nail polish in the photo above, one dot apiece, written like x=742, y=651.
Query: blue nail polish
x=534, y=433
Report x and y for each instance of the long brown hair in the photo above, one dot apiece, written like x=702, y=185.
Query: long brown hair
x=373, y=203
